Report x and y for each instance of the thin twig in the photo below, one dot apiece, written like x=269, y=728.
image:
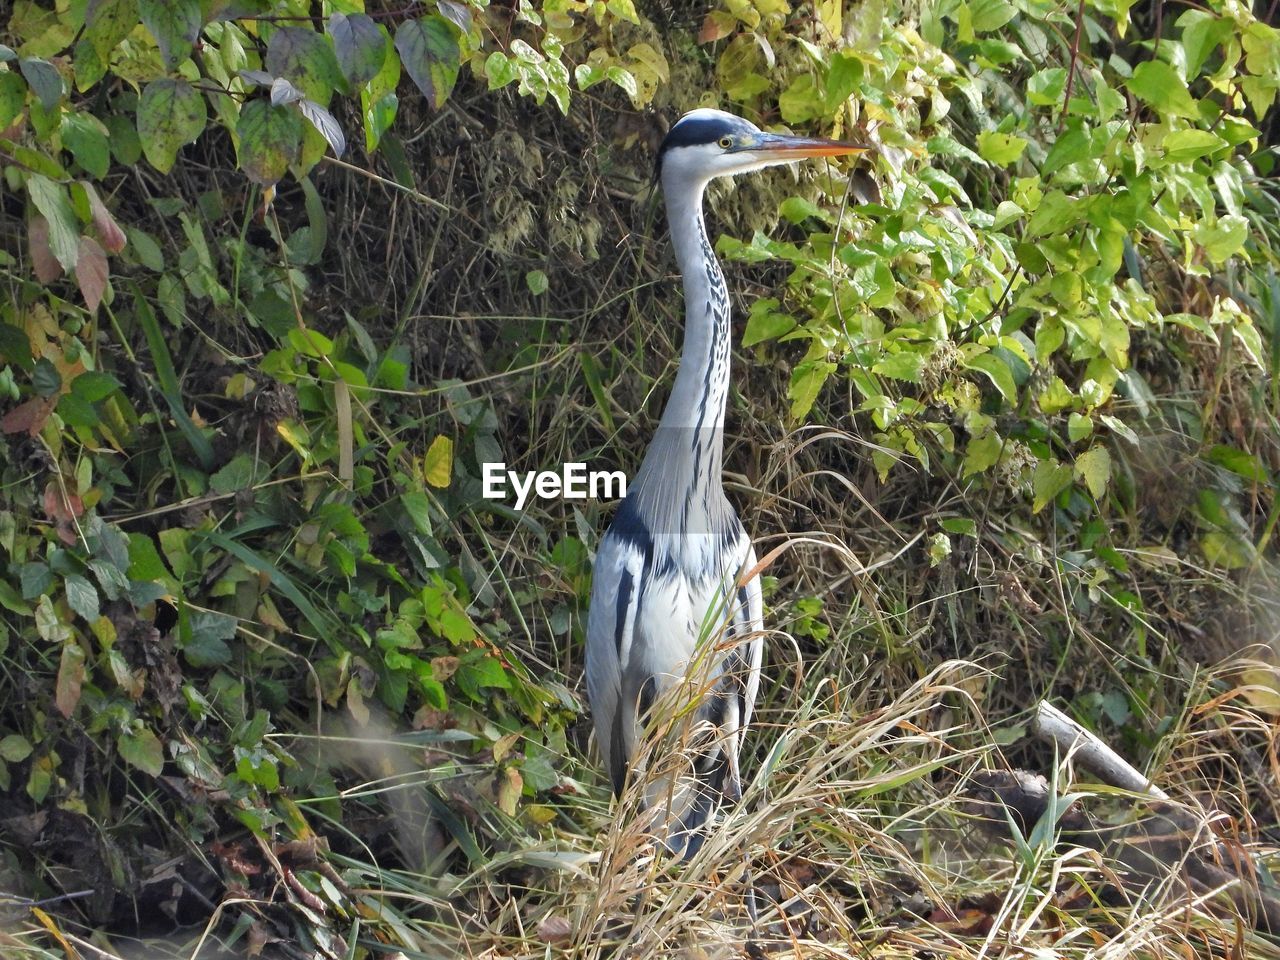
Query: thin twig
x=1071, y=65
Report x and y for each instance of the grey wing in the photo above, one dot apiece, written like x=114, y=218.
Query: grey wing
x=749, y=616
x=611, y=690
x=742, y=669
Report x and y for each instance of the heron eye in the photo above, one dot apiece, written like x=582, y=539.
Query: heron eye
x=726, y=143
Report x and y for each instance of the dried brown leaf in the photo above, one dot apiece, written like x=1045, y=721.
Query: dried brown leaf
x=109, y=232
x=29, y=417
x=45, y=264
x=554, y=929
x=66, y=693
x=91, y=272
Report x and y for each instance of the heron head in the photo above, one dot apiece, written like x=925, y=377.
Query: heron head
x=707, y=143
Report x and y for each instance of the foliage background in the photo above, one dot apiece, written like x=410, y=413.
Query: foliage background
x=282, y=275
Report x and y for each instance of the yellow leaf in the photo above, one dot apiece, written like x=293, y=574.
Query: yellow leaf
x=503, y=746
x=541, y=815
x=295, y=434
x=51, y=925
x=437, y=467
x=239, y=386
x=1094, y=467
x=509, y=790
x=1261, y=687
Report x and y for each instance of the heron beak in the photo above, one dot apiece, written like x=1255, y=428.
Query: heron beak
x=777, y=146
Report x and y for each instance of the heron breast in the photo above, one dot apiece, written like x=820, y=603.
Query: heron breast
x=675, y=613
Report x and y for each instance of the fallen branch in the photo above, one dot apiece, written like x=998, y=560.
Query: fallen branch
x=1165, y=840
x=1093, y=754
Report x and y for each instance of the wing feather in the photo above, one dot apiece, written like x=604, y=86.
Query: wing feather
x=610, y=631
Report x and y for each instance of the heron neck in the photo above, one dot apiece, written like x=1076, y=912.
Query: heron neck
x=679, y=490
x=698, y=397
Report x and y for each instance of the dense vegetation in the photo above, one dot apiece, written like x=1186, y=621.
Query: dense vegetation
x=281, y=276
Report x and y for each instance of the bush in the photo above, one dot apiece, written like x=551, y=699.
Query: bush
x=283, y=276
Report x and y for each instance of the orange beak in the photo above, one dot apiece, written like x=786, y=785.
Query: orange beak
x=784, y=147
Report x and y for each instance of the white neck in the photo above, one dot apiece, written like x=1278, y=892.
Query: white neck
x=702, y=384
x=679, y=487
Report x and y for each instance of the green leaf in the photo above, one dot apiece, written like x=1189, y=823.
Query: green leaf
x=1238, y=462
x=142, y=749
x=843, y=77
x=360, y=46
x=1158, y=85
x=988, y=15
x=806, y=383
x=418, y=507
x=964, y=526
x=126, y=145
x=478, y=674
x=997, y=372
x=801, y=101
x=459, y=14
x=1121, y=429
x=324, y=122
x=94, y=386
x=64, y=230
x=88, y=65
x=982, y=453
x=86, y=138
x=75, y=412
x=82, y=597
x=1072, y=147
x=1000, y=148
x=1094, y=468
x=1046, y=87
x=537, y=282
x=1056, y=396
x=35, y=578
x=107, y=22
x=175, y=24
x=45, y=80
x=799, y=209
x=144, y=559
x=13, y=98
x=538, y=772
x=766, y=323
x=1226, y=550
x=903, y=365
x=146, y=249
x=15, y=748
x=1183, y=146
x=206, y=644
x=45, y=378
x=310, y=343
x=1079, y=426
x=500, y=70
x=236, y=475
x=270, y=138
x=1202, y=31
x=1223, y=238
x=171, y=114
x=1053, y=213
x=429, y=52
x=305, y=59
x=1049, y=479
x=1006, y=213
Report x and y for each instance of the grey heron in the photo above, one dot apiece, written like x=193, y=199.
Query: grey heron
x=669, y=591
